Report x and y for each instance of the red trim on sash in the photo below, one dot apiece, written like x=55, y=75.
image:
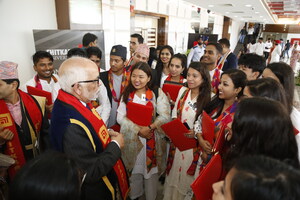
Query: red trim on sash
x=102, y=133
x=13, y=147
x=216, y=80
x=296, y=132
x=170, y=77
x=38, y=84
x=181, y=102
x=124, y=83
x=33, y=110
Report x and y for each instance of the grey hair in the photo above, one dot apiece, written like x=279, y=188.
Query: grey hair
x=72, y=71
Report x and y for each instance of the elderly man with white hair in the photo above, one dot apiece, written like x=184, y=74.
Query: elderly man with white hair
x=78, y=130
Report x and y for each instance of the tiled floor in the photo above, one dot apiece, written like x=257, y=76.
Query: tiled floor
x=160, y=191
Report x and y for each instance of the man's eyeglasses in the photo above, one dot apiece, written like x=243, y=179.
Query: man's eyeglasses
x=88, y=81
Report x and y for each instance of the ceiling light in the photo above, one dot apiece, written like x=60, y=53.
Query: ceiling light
x=248, y=5
x=256, y=12
x=211, y=6
x=227, y=12
x=261, y=16
x=235, y=16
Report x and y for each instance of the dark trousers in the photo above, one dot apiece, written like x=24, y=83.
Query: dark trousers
x=267, y=54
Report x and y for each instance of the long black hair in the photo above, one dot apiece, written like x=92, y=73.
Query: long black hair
x=285, y=74
x=269, y=88
x=130, y=88
x=50, y=176
x=262, y=126
x=264, y=178
x=239, y=79
x=204, y=96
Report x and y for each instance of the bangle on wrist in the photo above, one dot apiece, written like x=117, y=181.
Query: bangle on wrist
x=195, y=136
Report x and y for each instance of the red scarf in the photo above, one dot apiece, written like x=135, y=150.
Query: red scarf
x=223, y=120
x=13, y=147
x=102, y=133
x=123, y=84
x=216, y=80
x=225, y=117
x=150, y=144
x=38, y=84
x=192, y=169
x=170, y=77
x=181, y=102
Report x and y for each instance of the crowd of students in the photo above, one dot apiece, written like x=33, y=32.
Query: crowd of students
x=107, y=149
x=273, y=51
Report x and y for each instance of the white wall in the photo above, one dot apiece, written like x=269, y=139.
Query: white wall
x=203, y=18
x=218, y=25
x=116, y=25
x=180, y=16
x=17, y=19
x=234, y=31
x=179, y=19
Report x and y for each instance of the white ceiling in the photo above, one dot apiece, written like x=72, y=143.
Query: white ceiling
x=241, y=10
x=287, y=11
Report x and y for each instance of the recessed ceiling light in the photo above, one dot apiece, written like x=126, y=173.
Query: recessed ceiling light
x=248, y=5
x=210, y=6
x=227, y=12
x=235, y=16
x=261, y=16
x=256, y=12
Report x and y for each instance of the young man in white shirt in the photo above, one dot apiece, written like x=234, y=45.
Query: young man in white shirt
x=44, y=79
x=259, y=47
x=102, y=103
x=196, y=52
x=268, y=46
x=115, y=80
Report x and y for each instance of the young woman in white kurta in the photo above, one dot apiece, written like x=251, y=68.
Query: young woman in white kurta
x=189, y=104
x=143, y=177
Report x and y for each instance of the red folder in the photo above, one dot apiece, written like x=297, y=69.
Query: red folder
x=202, y=186
x=139, y=114
x=116, y=128
x=219, y=144
x=175, y=130
x=172, y=89
x=39, y=92
x=208, y=128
